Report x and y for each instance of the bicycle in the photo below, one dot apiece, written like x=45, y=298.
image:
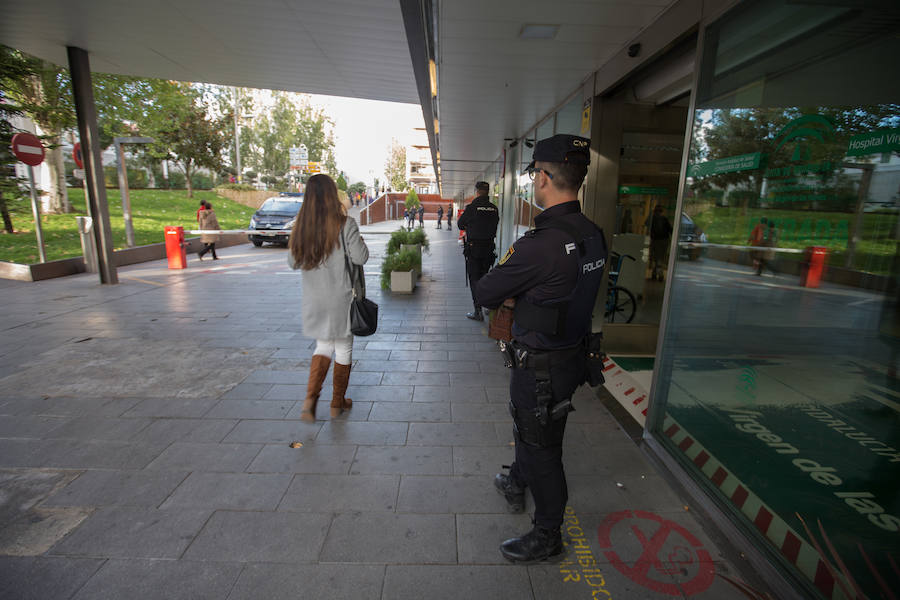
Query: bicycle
x=620, y=302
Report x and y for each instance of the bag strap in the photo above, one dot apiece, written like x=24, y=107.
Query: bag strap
x=359, y=290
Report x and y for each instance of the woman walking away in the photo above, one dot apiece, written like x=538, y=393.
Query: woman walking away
x=322, y=234
x=208, y=222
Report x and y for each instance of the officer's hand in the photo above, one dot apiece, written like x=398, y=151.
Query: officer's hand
x=509, y=303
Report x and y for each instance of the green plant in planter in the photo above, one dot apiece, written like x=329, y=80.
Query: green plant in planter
x=405, y=260
x=398, y=238
x=417, y=236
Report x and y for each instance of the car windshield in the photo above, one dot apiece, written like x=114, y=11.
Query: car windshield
x=281, y=205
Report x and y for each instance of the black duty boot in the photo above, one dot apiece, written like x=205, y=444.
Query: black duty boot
x=536, y=545
x=475, y=315
x=515, y=495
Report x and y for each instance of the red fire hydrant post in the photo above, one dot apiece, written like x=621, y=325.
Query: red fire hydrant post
x=175, y=248
x=814, y=266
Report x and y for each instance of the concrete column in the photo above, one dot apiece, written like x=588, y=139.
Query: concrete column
x=86, y=111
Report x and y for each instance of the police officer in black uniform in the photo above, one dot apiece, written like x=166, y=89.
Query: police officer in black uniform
x=553, y=273
x=479, y=221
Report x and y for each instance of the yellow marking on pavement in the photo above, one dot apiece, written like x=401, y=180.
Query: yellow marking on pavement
x=147, y=281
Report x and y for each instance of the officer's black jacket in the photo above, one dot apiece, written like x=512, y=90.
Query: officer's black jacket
x=479, y=220
x=542, y=266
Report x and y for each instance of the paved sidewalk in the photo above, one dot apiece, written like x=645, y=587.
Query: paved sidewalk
x=144, y=450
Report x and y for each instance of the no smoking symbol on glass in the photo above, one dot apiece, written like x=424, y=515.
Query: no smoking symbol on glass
x=653, y=552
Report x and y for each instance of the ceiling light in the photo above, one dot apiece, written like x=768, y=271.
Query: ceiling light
x=538, y=32
x=437, y=127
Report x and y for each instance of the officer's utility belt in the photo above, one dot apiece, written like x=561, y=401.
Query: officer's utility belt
x=520, y=356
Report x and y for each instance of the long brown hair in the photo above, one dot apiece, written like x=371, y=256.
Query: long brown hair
x=319, y=223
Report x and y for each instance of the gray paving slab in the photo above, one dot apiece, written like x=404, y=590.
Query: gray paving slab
x=436, y=379
x=118, y=488
x=222, y=491
x=160, y=580
x=453, y=494
x=391, y=538
x=428, y=354
x=451, y=582
x=341, y=493
x=270, y=432
x=191, y=456
x=131, y=532
x=479, y=535
x=30, y=426
x=480, y=413
x=272, y=537
x=309, y=458
x=379, y=393
x=399, y=460
x=264, y=376
x=69, y=407
x=453, y=434
x=165, y=431
x=408, y=366
x=444, y=394
x=250, y=409
x=171, y=407
x=100, y=428
x=97, y=454
x=410, y=412
x=370, y=433
x=290, y=582
x=284, y=392
x=481, y=460
x=42, y=577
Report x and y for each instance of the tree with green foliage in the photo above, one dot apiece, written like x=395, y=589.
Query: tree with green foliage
x=42, y=91
x=357, y=188
x=395, y=167
x=341, y=182
x=184, y=130
x=291, y=122
x=412, y=200
x=9, y=183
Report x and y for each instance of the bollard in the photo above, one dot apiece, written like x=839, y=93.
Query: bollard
x=175, y=248
x=813, y=267
x=88, y=243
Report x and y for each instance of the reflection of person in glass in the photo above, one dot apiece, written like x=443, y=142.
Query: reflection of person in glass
x=756, y=239
x=767, y=256
x=660, y=231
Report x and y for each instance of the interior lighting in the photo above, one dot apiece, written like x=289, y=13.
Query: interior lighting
x=437, y=127
x=532, y=31
x=432, y=73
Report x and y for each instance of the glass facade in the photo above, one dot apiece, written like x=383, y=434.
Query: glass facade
x=777, y=383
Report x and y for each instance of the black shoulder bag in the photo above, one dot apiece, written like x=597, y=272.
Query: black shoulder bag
x=363, y=312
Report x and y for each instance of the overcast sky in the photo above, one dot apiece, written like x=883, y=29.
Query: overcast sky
x=363, y=130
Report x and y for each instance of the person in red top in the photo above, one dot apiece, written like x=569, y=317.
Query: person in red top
x=202, y=207
x=757, y=236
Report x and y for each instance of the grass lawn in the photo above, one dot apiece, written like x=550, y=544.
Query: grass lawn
x=801, y=228
x=151, y=211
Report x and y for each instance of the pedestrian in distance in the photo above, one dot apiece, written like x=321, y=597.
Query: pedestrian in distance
x=323, y=234
x=208, y=222
x=406, y=217
x=553, y=274
x=440, y=215
x=660, y=230
x=479, y=221
x=202, y=207
x=421, y=216
x=450, y=217
x=757, y=238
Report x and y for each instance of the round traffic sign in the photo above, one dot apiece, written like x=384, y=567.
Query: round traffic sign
x=76, y=154
x=671, y=561
x=28, y=148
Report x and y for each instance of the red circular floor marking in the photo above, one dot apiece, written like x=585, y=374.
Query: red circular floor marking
x=667, y=548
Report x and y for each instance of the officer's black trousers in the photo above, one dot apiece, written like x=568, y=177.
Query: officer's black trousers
x=541, y=468
x=477, y=268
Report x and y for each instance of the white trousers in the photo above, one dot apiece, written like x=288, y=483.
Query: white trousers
x=341, y=347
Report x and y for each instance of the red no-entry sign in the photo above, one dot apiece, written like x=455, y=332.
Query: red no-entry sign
x=28, y=148
x=76, y=154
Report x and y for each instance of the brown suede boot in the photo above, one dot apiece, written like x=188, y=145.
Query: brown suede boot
x=341, y=379
x=318, y=369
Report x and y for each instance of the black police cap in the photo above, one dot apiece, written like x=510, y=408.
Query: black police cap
x=561, y=148
x=483, y=185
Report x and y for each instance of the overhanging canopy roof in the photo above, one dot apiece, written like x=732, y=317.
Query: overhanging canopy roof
x=335, y=47
x=493, y=84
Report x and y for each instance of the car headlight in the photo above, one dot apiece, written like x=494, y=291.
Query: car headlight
x=252, y=223
x=289, y=224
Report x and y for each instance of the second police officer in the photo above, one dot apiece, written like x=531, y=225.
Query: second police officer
x=553, y=273
x=479, y=221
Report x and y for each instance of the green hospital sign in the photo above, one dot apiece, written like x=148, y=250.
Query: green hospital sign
x=879, y=141
x=642, y=191
x=731, y=164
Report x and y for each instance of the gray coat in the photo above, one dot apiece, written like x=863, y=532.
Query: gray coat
x=327, y=292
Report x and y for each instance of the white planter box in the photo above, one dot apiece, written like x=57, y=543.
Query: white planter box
x=403, y=282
